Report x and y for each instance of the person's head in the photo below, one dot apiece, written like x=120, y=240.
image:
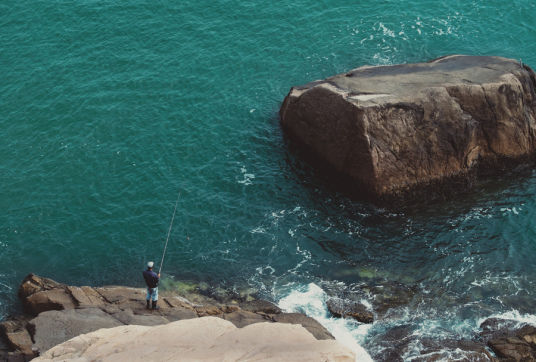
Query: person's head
x=150, y=265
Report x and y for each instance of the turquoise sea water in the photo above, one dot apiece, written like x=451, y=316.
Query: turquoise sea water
x=109, y=110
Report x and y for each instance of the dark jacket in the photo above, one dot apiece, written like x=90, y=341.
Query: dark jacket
x=151, y=278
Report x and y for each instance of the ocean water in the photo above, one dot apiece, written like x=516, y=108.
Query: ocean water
x=109, y=110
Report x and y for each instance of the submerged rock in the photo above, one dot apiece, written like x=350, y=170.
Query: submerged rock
x=395, y=129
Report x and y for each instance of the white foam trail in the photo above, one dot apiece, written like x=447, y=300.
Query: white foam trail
x=311, y=300
x=513, y=315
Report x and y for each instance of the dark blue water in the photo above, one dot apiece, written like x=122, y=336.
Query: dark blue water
x=109, y=110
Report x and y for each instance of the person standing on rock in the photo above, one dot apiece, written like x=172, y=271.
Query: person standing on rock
x=151, y=279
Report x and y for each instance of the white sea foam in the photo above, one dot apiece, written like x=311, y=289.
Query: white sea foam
x=311, y=300
x=513, y=315
x=247, y=177
x=387, y=31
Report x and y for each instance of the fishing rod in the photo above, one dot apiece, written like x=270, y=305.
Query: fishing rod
x=169, y=232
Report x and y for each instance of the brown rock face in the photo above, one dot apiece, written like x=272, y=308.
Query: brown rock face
x=17, y=336
x=344, y=309
x=396, y=128
x=63, y=312
x=55, y=299
x=512, y=349
x=34, y=283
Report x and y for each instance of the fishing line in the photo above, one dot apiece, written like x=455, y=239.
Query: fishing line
x=169, y=232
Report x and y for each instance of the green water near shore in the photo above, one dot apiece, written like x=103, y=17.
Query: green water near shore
x=109, y=110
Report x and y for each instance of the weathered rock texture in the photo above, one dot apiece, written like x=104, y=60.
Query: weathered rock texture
x=341, y=308
x=63, y=312
x=211, y=338
x=509, y=339
x=396, y=128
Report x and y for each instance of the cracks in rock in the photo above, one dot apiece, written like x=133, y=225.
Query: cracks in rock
x=450, y=140
x=486, y=136
x=468, y=81
x=397, y=160
x=494, y=69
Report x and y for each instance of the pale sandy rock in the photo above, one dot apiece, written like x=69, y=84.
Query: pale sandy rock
x=207, y=339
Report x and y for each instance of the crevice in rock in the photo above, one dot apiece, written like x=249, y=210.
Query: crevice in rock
x=484, y=131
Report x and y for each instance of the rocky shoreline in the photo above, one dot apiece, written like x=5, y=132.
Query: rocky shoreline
x=55, y=313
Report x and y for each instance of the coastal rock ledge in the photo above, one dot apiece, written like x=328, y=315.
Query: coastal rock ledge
x=395, y=129
x=64, y=323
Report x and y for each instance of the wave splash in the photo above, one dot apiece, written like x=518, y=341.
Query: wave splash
x=311, y=300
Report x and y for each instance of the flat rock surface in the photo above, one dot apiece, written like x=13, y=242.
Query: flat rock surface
x=178, y=313
x=128, y=317
x=207, y=338
x=393, y=128
x=55, y=327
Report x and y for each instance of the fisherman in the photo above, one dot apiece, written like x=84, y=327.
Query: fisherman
x=151, y=279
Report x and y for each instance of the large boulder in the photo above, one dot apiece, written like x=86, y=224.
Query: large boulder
x=200, y=339
x=55, y=327
x=34, y=283
x=395, y=129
